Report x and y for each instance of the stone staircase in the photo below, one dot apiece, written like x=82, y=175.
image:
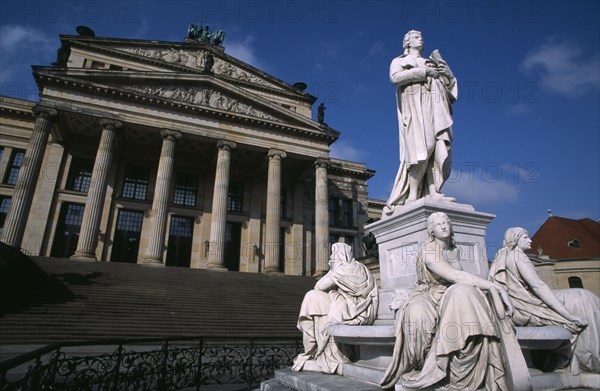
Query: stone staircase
x=46, y=300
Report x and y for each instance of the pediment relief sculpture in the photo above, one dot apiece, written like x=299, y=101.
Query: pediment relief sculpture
x=204, y=97
x=196, y=60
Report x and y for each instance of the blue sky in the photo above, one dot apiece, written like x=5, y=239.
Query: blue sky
x=527, y=123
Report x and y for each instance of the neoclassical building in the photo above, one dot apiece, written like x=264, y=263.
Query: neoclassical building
x=177, y=154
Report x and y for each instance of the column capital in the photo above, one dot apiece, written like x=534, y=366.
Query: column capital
x=322, y=162
x=277, y=154
x=170, y=134
x=227, y=145
x=45, y=111
x=108, y=123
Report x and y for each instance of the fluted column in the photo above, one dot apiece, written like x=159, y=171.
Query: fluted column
x=160, y=205
x=273, y=211
x=92, y=214
x=216, y=250
x=16, y=219
x=321, y=218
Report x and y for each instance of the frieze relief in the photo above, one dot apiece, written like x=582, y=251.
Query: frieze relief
x=196, y=60
x=204, y=97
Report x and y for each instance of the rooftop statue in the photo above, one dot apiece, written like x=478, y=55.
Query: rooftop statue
x=445, y=334
x=347, y=295
x=425, y=90
x=577, y=310
x=203, y=35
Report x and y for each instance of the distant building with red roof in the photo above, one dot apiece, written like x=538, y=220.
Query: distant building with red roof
x=567, y=253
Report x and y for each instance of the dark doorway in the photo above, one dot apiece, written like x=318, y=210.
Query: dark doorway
x=282, y=254
x=67, y=230
x=127, y=236
x=179, y=250
x=233, y=235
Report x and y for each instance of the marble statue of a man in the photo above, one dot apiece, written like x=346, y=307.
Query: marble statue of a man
x=425, y=90
x=347, y=294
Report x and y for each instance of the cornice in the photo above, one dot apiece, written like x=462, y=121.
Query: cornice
x=43, y=78
x=17, y=108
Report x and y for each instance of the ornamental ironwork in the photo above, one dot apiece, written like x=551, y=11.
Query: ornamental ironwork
x=149, y=364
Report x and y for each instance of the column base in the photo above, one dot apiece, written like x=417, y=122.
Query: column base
x=273, y=271
x=216, y=268
x=153, y=262
x=83, y=258
x=319, y=274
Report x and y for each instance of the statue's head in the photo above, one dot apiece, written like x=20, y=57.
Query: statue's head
x=517, y=236
x=439, y=226
x=414, y=39
x=340, y=253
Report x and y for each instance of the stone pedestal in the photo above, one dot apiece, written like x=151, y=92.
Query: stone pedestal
x=401, y=235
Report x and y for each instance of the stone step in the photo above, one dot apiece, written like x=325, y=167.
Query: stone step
x=370, y=371
x=315, y=381
x=273, y=385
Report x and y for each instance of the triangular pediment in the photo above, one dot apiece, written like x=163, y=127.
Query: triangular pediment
x=178, y=89
x=185, y=57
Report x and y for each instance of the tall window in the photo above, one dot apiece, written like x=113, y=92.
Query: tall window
x=347, y=220
x=4, y=205
x=14, y=165
x=341, y=212
x=235, y=197
x=283, y=200
x=135, y=185
x=67, y=230
x=185, y=190
x=80, y=174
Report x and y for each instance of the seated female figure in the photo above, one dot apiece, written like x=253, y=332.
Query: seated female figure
x=577, y=310
x=445, y=333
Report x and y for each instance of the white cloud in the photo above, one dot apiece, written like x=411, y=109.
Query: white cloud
x=21, y=46
x=475, y=188
x=343, y=150
x=376, y=49
x=243, y=50
x=563, y=67
x=17, y=37
x=518, y=109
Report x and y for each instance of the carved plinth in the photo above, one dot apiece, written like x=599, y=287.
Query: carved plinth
x=401, y=235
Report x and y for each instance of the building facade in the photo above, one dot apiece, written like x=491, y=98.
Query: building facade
x=177, y=154
x=566, y=253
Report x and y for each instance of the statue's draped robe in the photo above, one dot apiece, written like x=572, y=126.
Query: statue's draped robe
x=354, y=302
x=445, y=332
x=530, y=310
x=424, y=118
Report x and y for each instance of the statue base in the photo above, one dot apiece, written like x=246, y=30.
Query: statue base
x=400, y=236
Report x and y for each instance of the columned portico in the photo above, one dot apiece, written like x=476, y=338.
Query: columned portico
x=16, y=219
x=90, y=225
x=160, y=205
x=273, y=211
x=216, y=248
x=321, y=218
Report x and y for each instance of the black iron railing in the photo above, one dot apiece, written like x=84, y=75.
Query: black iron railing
x=149, y=364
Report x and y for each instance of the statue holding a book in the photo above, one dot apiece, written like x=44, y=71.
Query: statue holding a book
x=425, y=91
